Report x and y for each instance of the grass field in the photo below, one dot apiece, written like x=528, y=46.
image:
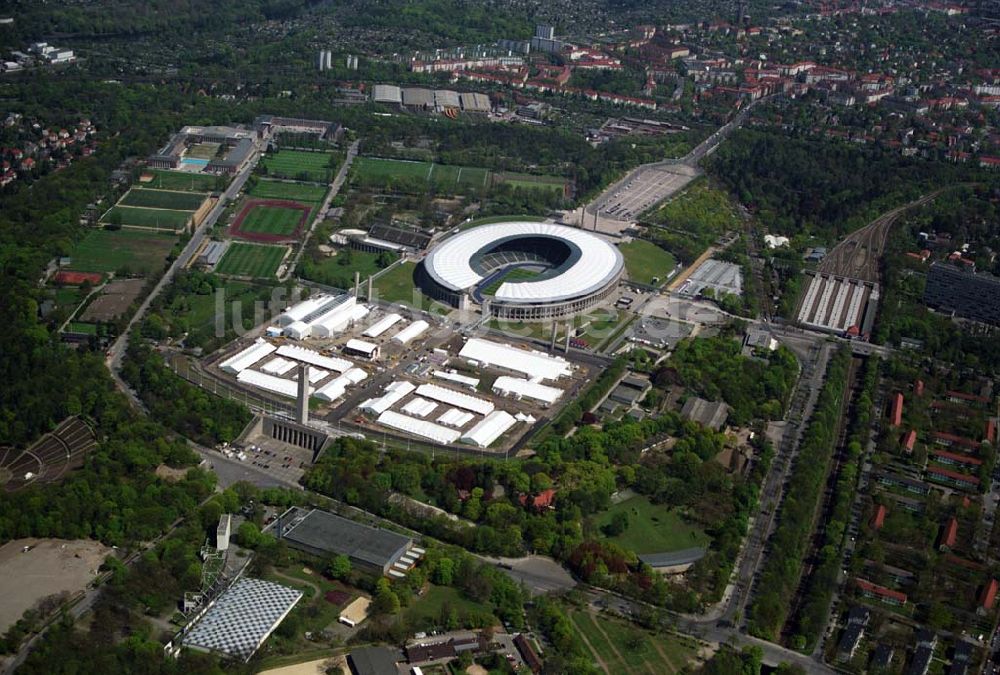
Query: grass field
x=513, y=276
x=80, y=327
x=138, y=216
x=378, y=170
x=251, y=260
x=163, y=199
x=332, y=270
x=426, y=611
x=645, y=260
x=202, y=150
x=271, y=220
x=110, y=251
x=652, y=528
x=178, y=180
x=618, y=647
x=298, y=192
x=299, y=164
x=397, y=285
x=532, y=182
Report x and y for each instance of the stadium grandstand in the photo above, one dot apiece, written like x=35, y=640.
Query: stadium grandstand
x=522, y=270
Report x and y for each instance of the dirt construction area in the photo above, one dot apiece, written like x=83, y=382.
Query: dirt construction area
x=49, y=567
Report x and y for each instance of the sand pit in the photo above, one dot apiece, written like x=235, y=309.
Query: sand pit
x=52, y=566
x=317, y=667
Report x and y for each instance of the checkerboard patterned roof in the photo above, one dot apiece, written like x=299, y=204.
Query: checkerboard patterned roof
x=242, y=618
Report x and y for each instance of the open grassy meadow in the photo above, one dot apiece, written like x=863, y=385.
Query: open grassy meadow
x=112, y=250
x=652, y=528
x=618, y=647
x=645, y=261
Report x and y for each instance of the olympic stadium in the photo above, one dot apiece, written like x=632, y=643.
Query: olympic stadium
x=522, y=270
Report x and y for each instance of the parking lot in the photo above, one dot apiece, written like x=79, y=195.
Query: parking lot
x=642, y=190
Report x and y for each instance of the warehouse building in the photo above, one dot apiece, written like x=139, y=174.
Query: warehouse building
x=389, y=94
x=324, y=534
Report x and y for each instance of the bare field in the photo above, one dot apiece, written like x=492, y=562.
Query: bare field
x=51, y=567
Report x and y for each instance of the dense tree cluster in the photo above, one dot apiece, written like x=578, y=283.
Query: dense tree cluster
x=779, y=578
x=715, y=369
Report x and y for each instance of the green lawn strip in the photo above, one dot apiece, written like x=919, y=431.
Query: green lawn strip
x=143, y=217
x=333, y=271
x=252, y=260
x=645, y=260
x=180, y=180
x=111, y=250
x=299, y=192
x=293, y=164
x=427, y=608
x=163, y=199
x=398, y=286
x=652, y=528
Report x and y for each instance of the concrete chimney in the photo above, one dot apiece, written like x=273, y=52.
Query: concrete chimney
x=303, y=398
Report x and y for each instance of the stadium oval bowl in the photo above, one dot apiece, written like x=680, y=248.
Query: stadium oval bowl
x=563, y=270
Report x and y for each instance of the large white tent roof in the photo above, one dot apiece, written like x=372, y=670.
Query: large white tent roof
x=277, y=385
x=489, y=429
x=382, y=325
x=394, y=393
x=314, y=358
x=247, y=357
x=597, y=262
x=455, y=398
x=519, y=387
x=535, y=365
x=411, y=331
x=412, y=425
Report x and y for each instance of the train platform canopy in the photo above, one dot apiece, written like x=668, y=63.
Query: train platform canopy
x=242, y=618
x=536, y=366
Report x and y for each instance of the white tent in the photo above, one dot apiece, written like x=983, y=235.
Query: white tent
x=413, y=330
x=518, y=387
x=489, y=429
x=455, y=398
x=277, y=366
x=314, y=358
x=247, y=357
x=394, y=393
x=454, y=417
x=535, y=365
x=277, y=385
x=419, y=407
x=423, y=428
x=470, y=382
x=382, y=325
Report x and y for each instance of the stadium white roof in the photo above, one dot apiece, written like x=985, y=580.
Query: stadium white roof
x=239, y=621
x=247, y=357
x=277, y=385
x=471, y=382
x=456, y=398
x=413, y=330
x=394, y=393
x=277, y=366
x=314, y=358
x=412, y=425
x=593, y=265
x=382, y=325
x=453, y=417
x=535, y=365
x=419, y=407
x=519, y=387
x=489, y=429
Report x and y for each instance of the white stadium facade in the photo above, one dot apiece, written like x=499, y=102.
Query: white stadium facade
x=522, y=270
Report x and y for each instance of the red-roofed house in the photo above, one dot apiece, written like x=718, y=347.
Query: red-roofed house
x=878, y=519
x=886, y=595
x=962, y=480
x=949, y=534
x=991, y=431
x=543, y=500
x=949, y=440
x=962, y=397
x=955, y=459
x=909, y=440
x=896, y=413
x=989, y=595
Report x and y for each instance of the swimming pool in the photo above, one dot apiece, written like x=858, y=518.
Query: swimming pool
x=193, y=161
